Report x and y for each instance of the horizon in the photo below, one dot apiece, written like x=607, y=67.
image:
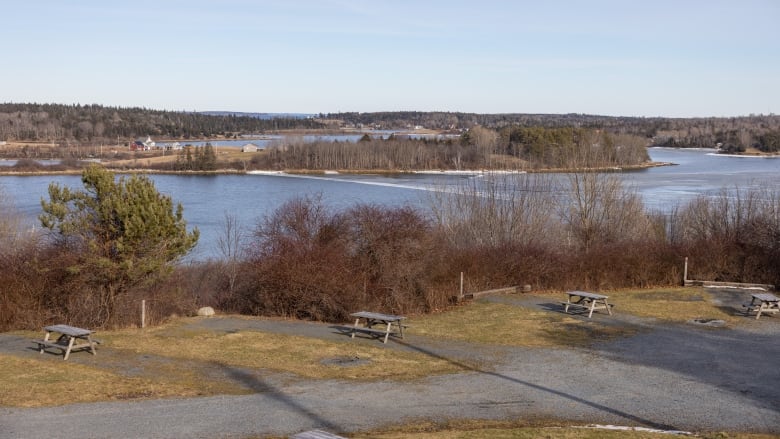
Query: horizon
x=299, y=113
x=692, y=59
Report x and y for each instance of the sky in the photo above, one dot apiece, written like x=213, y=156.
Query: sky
x=670, y=58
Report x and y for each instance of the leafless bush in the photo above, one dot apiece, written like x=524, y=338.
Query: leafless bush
x=733, y=236
x=310, y=263
x=598, y=210
x=496, y=210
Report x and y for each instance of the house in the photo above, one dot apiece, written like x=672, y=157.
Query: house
x=141, y=144
x=249, y=147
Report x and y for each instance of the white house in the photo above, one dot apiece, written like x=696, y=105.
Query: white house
x=249, y=147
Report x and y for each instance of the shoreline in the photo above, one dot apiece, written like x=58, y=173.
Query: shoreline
x=349, y=171
x=469, y=172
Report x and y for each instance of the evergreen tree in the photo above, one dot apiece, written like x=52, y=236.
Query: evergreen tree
x=123, y=233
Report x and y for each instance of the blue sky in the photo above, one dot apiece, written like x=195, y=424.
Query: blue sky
x=632, y=58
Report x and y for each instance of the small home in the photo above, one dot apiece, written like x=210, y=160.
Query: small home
x=249, y=147
x=142, y=144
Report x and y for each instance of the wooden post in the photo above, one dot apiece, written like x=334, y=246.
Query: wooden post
x=460, y=297
x=685, y=271
x=143, y=313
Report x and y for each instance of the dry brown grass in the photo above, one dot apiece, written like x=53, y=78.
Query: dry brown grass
x=500, y=324
x=673, y=304
x=302, y=356
x=37, y=382
x=482, y=429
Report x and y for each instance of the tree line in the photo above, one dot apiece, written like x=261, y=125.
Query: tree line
x=731, y=133
x=88, y=124
x=514, y=148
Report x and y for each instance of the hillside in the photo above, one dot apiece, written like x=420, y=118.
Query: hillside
x=90, y=124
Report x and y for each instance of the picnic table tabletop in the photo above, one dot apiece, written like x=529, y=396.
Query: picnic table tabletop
x=377, y=316
x=68, y=330
x=587, y=294
x=766, y=297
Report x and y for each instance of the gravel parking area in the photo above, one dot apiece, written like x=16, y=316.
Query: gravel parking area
x=667, y=376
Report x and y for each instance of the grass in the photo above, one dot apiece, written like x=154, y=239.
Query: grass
x=673, y=304
x=36, y=383
x=302, y=356
x=504, y=430
x=507, y=325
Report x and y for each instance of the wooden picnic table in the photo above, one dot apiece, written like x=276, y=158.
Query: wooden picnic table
x=67, y=339
x=372, y=319
x=762, y=303
x=587, y=301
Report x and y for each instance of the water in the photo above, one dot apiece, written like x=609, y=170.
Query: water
x=206, y=199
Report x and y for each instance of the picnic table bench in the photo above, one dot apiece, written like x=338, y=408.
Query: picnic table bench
x=584, y=300
x=762, y=303
x=67, y=339
x=372, y=319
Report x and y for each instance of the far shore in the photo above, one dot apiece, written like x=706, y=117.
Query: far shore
x=11, y=172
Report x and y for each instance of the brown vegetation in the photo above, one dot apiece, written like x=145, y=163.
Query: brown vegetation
x=307, y=261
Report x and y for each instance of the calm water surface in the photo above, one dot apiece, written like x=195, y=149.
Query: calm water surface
x=207, y=199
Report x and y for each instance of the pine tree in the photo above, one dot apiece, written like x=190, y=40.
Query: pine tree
x=124, y=233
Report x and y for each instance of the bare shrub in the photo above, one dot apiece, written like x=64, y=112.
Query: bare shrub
x=599, y=211
x=28, y=165
x=496, y=210
x=309, y=263
x=733, y=236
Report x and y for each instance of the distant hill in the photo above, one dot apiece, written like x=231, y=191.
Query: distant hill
x=263, y=116
x=98, y=124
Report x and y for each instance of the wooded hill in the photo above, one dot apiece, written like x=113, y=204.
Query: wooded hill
x=93, y=124
x=87, y=124
x=732, y=133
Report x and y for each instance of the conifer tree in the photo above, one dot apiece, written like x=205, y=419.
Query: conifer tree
x=124, y=233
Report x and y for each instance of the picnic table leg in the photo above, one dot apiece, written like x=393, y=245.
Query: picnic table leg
x=387, y=331
x=70, y=345
x=760, y=308
x=45, y=338
x=354, y=328
x=400, y=328
x=592, y=307
x=608, y=308
x=91, y=345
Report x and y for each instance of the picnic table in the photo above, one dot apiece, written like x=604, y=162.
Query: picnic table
x=67, y=339
x=372, y=319
x=762, y=303
x=584, y=300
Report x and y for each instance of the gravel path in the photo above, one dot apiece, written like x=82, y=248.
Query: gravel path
x=680, y=377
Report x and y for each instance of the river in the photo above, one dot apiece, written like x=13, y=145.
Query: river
x=207, y=199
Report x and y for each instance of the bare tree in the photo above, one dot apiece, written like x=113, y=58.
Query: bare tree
x=230, y=244
x=496, y=210
x=599, y=210
x=10, y=222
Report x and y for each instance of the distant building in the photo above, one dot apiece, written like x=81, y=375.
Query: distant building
x=141, y=144
x=249, y=147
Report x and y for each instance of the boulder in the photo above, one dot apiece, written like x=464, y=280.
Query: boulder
x=206, y=311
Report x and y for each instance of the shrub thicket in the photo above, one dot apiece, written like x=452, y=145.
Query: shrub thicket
x=310, y=262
